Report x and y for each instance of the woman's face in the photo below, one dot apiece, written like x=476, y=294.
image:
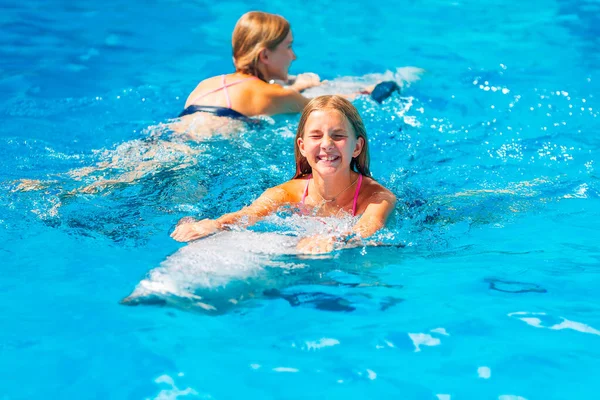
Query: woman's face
x=329, y=143
x=278, y=61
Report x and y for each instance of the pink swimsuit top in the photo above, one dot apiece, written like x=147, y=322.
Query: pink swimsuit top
x=355, y=193
x=224, y=88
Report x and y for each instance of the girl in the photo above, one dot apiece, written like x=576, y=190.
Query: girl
x=332, y=177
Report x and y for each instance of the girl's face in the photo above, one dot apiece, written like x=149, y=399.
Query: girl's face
x=329, y=143
x=278, y=61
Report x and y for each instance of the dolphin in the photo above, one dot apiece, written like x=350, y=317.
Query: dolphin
x=213, y=275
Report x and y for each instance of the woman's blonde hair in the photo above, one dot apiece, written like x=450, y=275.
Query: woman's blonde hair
x=254, y=32
x=358, y=164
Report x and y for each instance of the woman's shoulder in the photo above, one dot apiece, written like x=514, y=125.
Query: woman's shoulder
x=202, y=87
x=217, y=82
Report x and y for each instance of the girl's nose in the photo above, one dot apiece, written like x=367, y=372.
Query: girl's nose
x=326, y=142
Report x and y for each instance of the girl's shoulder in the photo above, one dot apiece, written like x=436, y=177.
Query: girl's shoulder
x=294, y=188
x=372, y=190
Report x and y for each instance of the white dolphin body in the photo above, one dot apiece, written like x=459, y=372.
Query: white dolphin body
x=211, y=265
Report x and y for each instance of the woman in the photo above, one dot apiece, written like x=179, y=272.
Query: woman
x=262, y=53
x=332, y=178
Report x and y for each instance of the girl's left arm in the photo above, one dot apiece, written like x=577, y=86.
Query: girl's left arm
x=380, y=206
x=375, y=216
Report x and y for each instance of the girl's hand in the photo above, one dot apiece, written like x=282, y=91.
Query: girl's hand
x=306, y=81
x=317, y=244
x=188, y=231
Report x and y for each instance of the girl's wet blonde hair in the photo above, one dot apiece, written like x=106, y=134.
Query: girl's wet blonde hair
x=254, y=32
x=358, y=164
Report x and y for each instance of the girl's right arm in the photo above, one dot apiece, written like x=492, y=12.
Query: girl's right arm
x=268, y=202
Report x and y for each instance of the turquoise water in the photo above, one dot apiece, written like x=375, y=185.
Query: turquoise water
x=487, y=287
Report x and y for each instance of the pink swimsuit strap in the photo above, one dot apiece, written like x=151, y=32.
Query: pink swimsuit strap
x=354, y=202
x=306, y=189
x=356, y=194
x=224, y=87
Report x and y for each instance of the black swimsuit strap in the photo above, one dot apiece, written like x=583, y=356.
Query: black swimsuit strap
x=218, y=111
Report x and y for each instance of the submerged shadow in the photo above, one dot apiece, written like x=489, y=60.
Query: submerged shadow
x=514, y=286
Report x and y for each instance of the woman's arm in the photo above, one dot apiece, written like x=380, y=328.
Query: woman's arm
x=381, y=204
x=304, y=81
x=277, y=99
x=268, y=202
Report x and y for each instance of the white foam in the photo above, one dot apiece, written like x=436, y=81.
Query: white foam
x=255, y=366
x=484, y=372
x=165, y=379
x=525, y=313
x=205, y=306
x=510, y=397
x=423, y=339
x=580, y=192
x=576, y=326
x=323, y=342
x=285, y=369
x=411, y=120
x=173, y=392
x=371, y=375
x=403, y=76
x=533, y=322
x=441, y=331
x=308, y=226
x=565, y=324
x=443, y=396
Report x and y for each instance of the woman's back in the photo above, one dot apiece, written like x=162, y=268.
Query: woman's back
x=245, y=94
x=231, y=91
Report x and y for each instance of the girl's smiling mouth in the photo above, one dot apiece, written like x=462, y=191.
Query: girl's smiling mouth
x=328, y=158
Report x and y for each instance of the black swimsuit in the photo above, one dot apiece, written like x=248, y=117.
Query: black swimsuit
x=217, y=111
x=227, y=112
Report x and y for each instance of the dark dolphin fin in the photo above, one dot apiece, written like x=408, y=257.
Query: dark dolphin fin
x=383, y=90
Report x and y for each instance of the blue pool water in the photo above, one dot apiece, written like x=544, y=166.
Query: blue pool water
x=487, y=287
